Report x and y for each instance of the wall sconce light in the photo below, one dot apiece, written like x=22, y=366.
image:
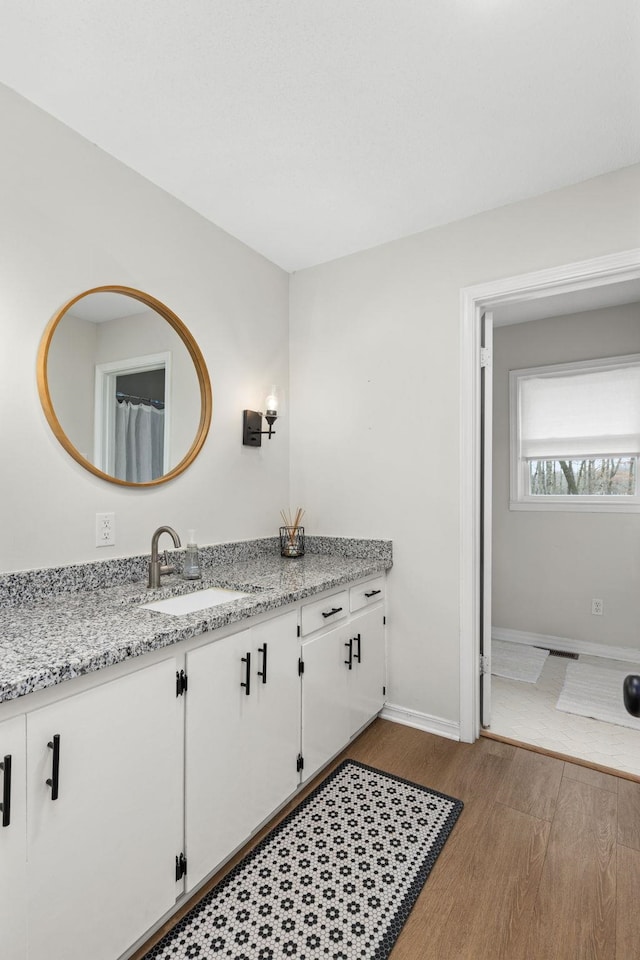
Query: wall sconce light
x=252, y=431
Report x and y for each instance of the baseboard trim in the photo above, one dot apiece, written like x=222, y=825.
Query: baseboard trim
x=422, y=721
x=566, y=644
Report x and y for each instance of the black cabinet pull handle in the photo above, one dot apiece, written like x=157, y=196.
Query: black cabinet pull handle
x=263, y=673
x=247, y=676
x=5, y=806
x=358, y=654
x=181, y=867
x=349, y=644
x=372, y=593
x=54, y=779
x=331, y=612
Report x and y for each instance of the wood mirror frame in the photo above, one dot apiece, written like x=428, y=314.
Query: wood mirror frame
x=206, y=399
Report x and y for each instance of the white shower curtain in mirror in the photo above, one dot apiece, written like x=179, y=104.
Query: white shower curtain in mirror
x=139, y=452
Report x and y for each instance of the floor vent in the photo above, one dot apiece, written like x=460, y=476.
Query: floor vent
x=561, y=653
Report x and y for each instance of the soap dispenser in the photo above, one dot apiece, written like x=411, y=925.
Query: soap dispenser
x=191, y=569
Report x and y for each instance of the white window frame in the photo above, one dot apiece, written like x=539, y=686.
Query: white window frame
x=520, y=498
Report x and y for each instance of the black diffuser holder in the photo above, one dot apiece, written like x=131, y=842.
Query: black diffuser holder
x=292, y=541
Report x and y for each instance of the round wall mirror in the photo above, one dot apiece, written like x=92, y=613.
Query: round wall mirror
x=124, y=386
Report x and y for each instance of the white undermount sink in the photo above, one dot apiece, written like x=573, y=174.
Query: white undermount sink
x=192, y=602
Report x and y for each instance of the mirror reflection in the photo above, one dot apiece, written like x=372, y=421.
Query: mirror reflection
x=125, y=386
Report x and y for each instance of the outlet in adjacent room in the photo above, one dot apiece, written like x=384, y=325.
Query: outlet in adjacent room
x=105, y=529
x=597, y=608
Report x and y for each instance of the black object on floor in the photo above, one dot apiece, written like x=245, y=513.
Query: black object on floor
x=631, y=694
x=336, y=879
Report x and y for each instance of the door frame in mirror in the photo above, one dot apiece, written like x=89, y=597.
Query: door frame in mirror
x=105, y=398
x=206, y=397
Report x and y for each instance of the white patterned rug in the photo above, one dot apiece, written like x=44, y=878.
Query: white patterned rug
x=592, y=691
x=517, y=661
x=334, y=881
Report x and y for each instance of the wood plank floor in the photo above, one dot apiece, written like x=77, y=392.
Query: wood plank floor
x=543, y=864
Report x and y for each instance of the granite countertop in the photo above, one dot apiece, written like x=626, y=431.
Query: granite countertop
x=49, y=639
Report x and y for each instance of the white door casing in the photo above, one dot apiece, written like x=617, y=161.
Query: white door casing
x=486, y=448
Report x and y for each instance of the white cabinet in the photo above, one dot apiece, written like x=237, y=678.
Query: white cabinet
x=365, y=679
x=344, y=670
x=242, y=738
x=13, y=860
x=366, y=594
x=109, y=785
x=101, y=855
x=325, y=704
x=324, y=613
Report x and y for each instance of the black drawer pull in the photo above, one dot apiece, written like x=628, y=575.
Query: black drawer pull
x=54, y=779
x=331, y=612
x=5, y=806
x=263, y=673
x=247, y=676
x=372, y=593
x=349, y=644
x=357, y=655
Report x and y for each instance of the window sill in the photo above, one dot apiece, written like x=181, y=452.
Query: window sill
x=576, y=506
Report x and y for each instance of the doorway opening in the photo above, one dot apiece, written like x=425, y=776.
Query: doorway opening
x=570, y=289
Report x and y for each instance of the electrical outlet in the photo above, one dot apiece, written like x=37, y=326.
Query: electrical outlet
x=105, y=529
x=597, y=608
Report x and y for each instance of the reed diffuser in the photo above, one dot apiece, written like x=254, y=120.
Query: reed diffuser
x=292, y=534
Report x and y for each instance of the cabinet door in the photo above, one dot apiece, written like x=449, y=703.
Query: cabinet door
x=325, y=703
x=101, y=857
x=277, y=735
x=241, y=747
x=13, y=851
x=220, y=727
x=366, y=679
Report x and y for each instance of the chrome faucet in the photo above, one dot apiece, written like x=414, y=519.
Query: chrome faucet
x=156, y=566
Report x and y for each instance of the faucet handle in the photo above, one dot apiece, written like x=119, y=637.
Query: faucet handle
x=165, y=566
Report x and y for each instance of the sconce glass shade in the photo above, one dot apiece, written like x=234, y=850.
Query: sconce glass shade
x=271, y=402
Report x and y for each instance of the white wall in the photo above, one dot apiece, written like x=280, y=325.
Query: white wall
x=375, y=341
x=547, y=567
x=72, y=218
x=70, y=376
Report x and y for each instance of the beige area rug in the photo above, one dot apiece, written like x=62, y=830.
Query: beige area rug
x=593, y=691
x=517, y=661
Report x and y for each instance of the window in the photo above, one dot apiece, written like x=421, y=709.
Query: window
x=575, y=436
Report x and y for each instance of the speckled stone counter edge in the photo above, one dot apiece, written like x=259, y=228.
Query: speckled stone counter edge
x=21, y=587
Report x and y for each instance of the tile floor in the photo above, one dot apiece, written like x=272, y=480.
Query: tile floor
x=527, y=712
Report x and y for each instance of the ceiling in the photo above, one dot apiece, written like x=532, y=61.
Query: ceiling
x=107, y=306
x=310, y=129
